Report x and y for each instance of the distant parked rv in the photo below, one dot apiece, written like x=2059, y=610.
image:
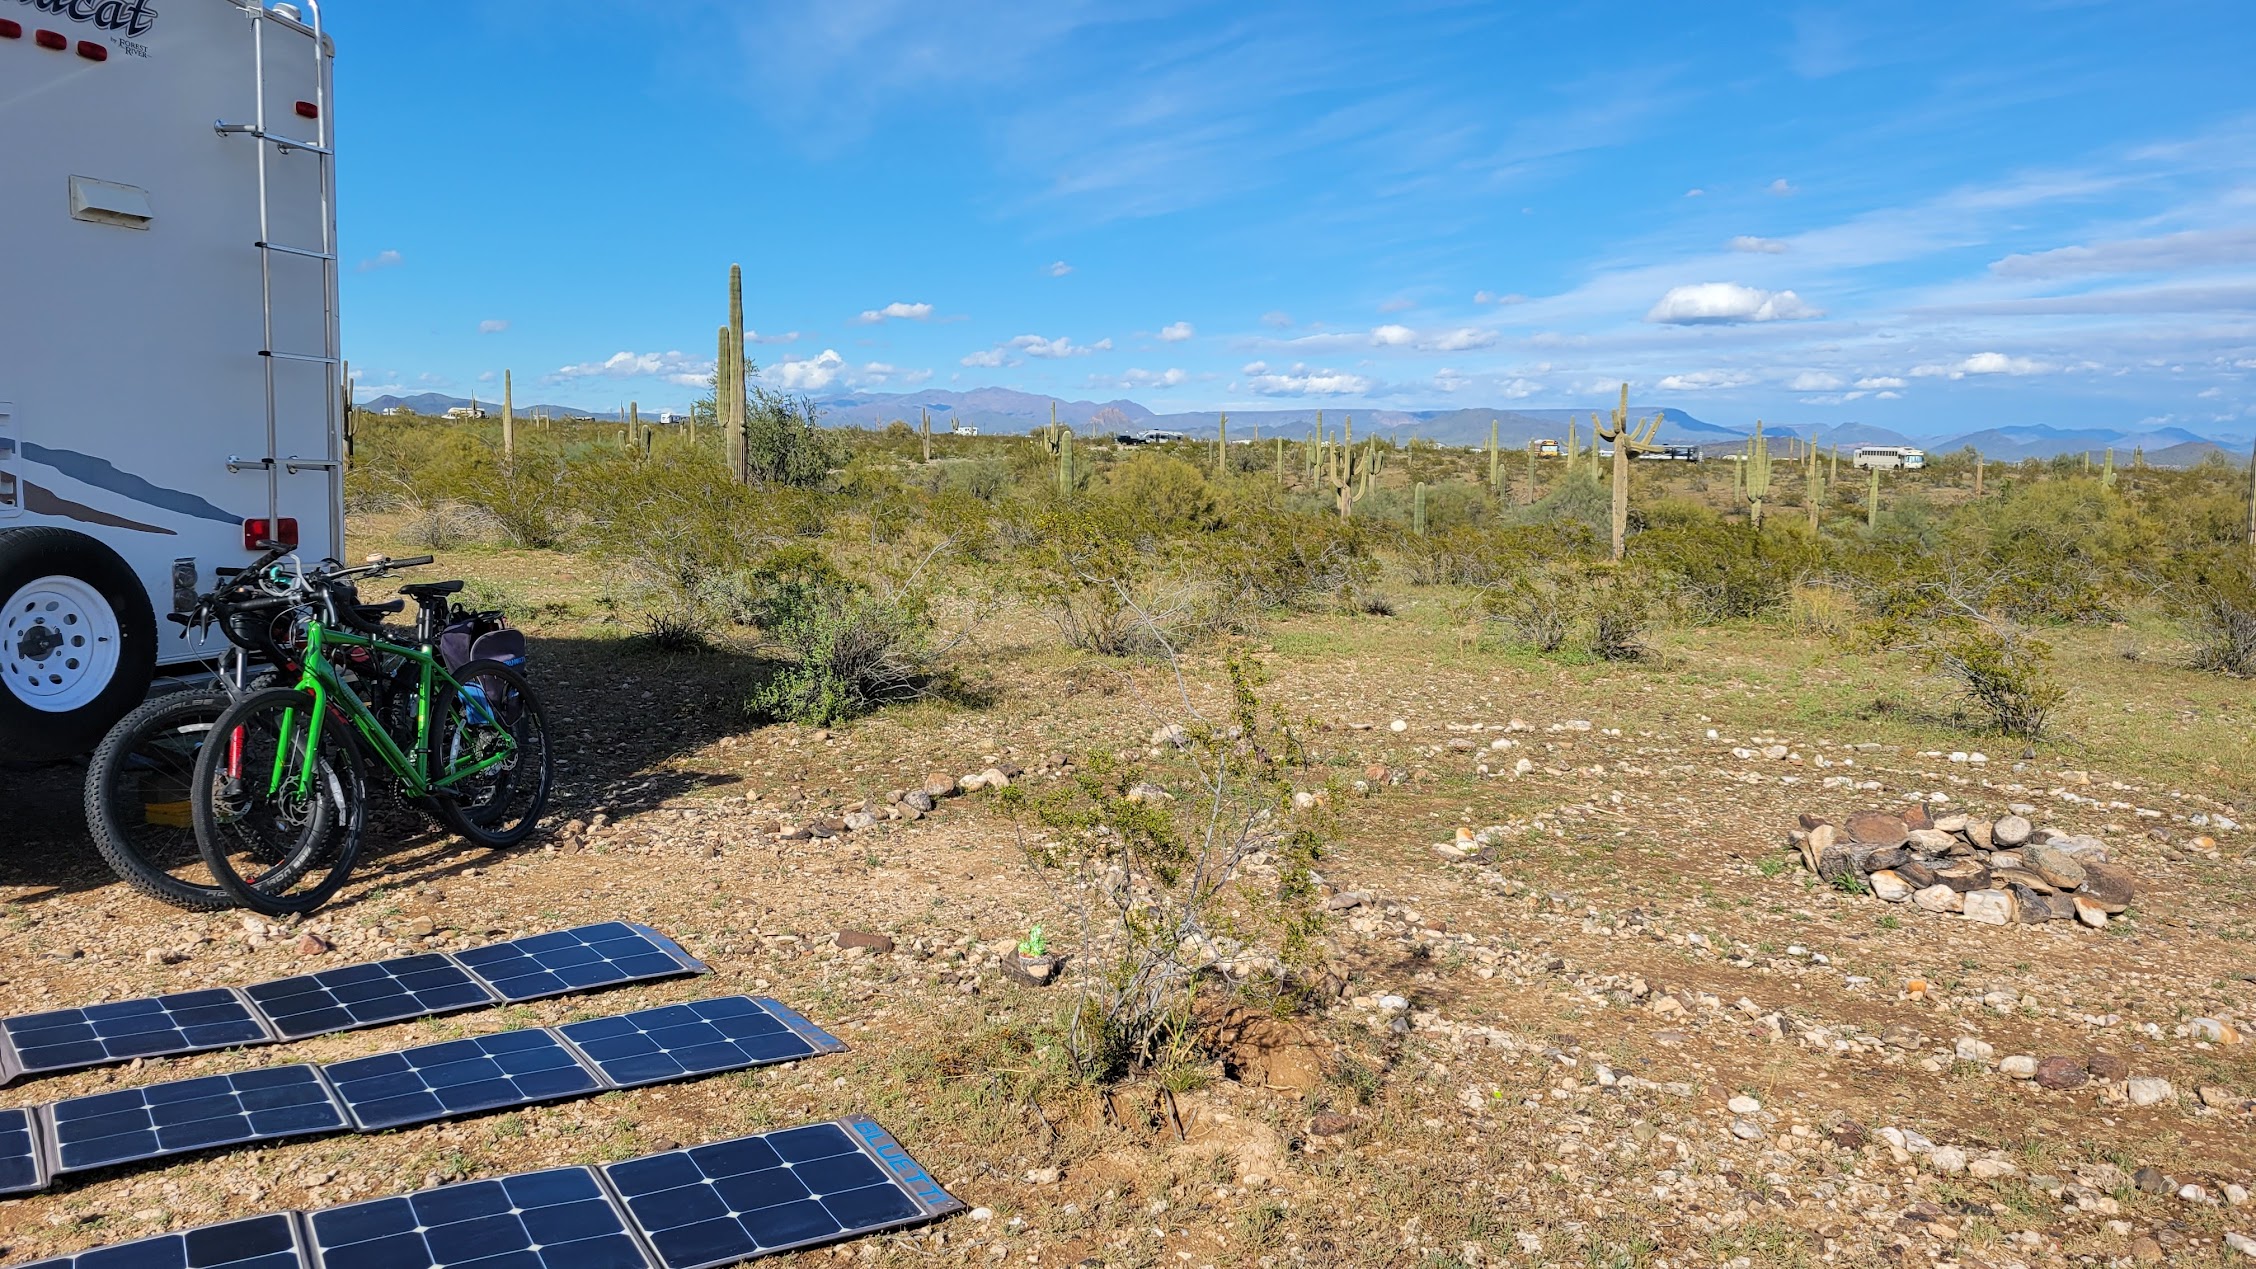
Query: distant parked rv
x=1889, y=456
x=963, y=429
x=1673, y=454
x=1546, y=447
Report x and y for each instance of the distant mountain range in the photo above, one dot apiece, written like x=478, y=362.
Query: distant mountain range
x=1006, y=410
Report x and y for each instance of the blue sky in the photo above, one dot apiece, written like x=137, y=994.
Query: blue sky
x=1928, y=217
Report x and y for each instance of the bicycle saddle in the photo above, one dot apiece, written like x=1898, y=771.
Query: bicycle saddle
x=431, y=590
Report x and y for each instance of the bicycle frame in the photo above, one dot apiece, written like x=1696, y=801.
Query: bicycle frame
x=417, y=768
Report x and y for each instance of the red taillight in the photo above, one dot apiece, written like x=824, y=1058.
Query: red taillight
x=10, y=29
x=50, y=39
x=307, y=110
x=256, y=533
x=93, y=52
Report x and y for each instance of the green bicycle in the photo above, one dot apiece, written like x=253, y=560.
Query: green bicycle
x=280, y=789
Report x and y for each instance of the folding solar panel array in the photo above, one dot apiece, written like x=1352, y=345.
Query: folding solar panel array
x=340, y=999
x=409, y=1086
x=705, y=1206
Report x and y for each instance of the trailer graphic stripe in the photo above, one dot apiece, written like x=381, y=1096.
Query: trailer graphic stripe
x=103, y=474
x=46, y=502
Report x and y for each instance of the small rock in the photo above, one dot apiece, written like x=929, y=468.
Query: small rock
x=2107, y=1066
x=938, y=785
x=2020, y=1066
x=2054, y=865
x=1948, y=1160
x=2108, y=885
x=2060, y=1074
x=1398, y=726
x=1876, y=828
x=2214, y=1031
x=1969, y=1049
x=312, y=944
x=2011, y=831
x=877, y=943
x=1991, y=907
x=1932, y=841
x=918, y=799
x=1329, y=1124
x=2149, y=1090
x=1743, y=1105
x=2146, y=1251
x=1850, y=1135
x=1042, y=1176
x=1938, y=898
x=2241, y=1243
x=2150, y=1180
x=1889, y=886
x=2088, y=911
x=2216, y=1098
x=418, y=927
x=1745, y=1131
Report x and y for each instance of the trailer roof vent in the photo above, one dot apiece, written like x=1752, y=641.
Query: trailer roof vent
x=108, y=203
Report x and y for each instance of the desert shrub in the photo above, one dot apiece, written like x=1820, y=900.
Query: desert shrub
x=1576, y=500
x=444, y=524
x=852, y=648
x=1594, y=609
x=2002, y=672
x=1825, y=609
x=1722, y=570
x=783, y=445
x=1107, y=591
x=2215, y=595
x=1620, y=609
x=1534, y=610
x=2059, y=550
x=1269, y=558
x=1162, y=494
x=680, y=536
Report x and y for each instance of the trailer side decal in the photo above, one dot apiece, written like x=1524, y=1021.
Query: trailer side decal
x=46, y=502
x=103, y=474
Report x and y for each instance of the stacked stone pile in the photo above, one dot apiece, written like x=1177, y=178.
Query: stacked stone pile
x=2003, y=872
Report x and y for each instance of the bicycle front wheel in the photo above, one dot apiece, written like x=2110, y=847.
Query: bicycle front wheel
x=493, y=728
x=279, y=799
x=137, y=799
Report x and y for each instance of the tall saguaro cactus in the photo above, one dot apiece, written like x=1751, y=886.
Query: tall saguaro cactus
x=508, y=422
x=1057, y=438
x=1757, y=467
x=1981, y=467
x=1628, y=438
x=1872, y=499
x=1816, y=488
x=1418, y=509
x=1495, y=461
x=1222, y=446
x=724, y=413
x=924, y=432
x=2107, y=475
x=738, y=422
x=1280, y=462
x=1345, y=471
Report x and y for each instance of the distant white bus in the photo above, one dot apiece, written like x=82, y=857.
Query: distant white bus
x=963, y=429
x=1889, y=456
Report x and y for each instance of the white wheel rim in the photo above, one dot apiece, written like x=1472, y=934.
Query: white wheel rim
x=59, y=644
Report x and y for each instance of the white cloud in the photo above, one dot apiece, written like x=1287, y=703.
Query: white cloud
x=1301, y=381
x=1491, y=297
x=1275, y=319
x=492, y=326
x=1718, y=302
x=1762, y=246
x=1888, y=396
x=987, y=357
x=1464, y=337
x=674, y=367
x=898, y=308
x=1398, y=305
x=1041, y=346
x=2192, y=249
x=382, y=260
x=809, y=374
x=1982, y=363
x=1781, y=187
x=787, y=337
x=1703, y=380
x=1879, y=381
x=487, y=376
x=1059, y=268
x=1169, y=378
x=1815, y=381
x=1695, y=193
x=1176, y=332
x=1392, y=336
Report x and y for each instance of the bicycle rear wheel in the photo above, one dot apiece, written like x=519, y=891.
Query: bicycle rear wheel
x=137, y=799
x=280, y=800
x=492, y=715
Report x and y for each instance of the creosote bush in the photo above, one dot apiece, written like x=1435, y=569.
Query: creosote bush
x=851, y=647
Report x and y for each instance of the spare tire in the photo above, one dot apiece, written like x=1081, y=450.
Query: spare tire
x=78, y=642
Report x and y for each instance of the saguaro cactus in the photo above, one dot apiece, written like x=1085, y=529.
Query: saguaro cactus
x=1418, y=509
x=1222, y=445
x=1057, y=438
x=1570, y=446
x=2107, y=476
x=1872, y=500
x=1344, y=470
x=1981, y=467
x=1757, y=466
x=1816, y=488
x=738, y=421
x=1495, y=461
x=1280, y=461
x=924, y=432
x=1531, y=471
x=508, y=422
x=1628, y=439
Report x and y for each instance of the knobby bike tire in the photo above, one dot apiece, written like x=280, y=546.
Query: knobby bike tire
x=137, y=799
x=274, y=851
x=502, y=806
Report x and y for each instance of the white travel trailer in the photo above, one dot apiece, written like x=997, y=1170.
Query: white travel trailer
x=168, y=335
x=1889, y=456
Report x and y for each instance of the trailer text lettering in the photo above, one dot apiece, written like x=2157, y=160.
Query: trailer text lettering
x=133, y=17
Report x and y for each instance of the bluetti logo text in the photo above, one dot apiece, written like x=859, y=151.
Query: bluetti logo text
x=127, y=17
x=905, y=1169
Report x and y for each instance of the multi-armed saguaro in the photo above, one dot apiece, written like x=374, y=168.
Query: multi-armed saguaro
x=1757, y=468
x=1057, y=438
x=1629, y=439
x=1348, y=474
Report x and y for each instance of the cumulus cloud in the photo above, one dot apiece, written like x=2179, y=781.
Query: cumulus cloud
x=1703, y=380
x=673, y=367
x=382, y=260
x=1982, y=363
x=492, y=326
x=1721, y=302
x=1870, y=382
x=1171, y=377
x=897, y=309
x=988, y=358
x=1058, y=268
x=1462, y=338
x=1176, y=332
x=808, y=374
x=1301, y=381
x=1397, y=305
x=1695, y=192
x=1815, y=381
x=1392, y=336
x=1781, y=187
x=1763, y=246
x=1060, y=347
x=1276, y=320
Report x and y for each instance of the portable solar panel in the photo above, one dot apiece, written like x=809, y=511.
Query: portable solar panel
x=577, y=960
x=184, y=1022
x=560, y=1217
x=367, y=995
x=21, y=1169
x=676, y=1041
x=731, y=1200
x=459, y=1077
x=215, y=1110
x=255, y=1242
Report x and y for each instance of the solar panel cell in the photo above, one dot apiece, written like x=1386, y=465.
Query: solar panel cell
x=458, y=1077
x=556, y=1218
x=578, y=959
x=184, y=1022
x=107, y=1128
x=258, y=1242
x=20, y=1169
x=674, y=1041
x=366, y=995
